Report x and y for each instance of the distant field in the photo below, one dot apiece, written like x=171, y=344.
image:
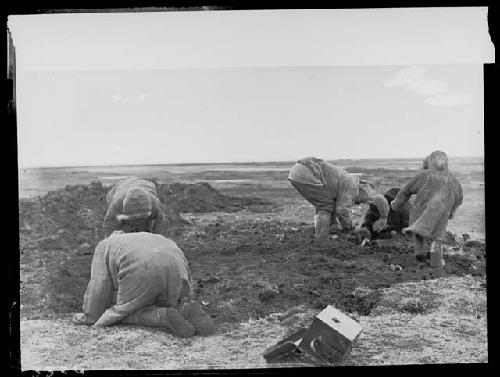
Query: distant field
x=36, y=181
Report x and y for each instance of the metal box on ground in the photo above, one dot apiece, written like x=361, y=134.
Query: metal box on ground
x=327, y=341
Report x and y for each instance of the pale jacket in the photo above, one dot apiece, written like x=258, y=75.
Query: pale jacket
x=437, y=196
x=133, y=270
x=342, y=187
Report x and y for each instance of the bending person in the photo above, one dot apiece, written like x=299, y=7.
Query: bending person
x=331, y=189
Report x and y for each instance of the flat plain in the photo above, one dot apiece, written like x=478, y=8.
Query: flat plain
x=248, y=237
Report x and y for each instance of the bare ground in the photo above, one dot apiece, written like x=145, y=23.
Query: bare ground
x=255, y=265
x=435, y=321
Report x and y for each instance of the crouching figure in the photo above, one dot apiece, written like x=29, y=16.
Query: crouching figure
x=142, y=278
x=331, y=190
x=381, y=221
x=437, y=196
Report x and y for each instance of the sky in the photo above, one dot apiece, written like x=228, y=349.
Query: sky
x=181, y=87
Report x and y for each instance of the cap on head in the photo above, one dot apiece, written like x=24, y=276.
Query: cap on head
x=136, y=204
x=438, y=161
x=366, y=191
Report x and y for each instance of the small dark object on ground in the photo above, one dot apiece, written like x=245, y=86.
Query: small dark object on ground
x=267, y=295
x=286, y=351
x=327, y=341
x=423, y=257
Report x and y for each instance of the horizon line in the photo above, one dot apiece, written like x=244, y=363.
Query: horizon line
x=226, y=163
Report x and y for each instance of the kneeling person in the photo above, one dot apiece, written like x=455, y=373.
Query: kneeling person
x=331, y=190
x=381, y=221
x=144, y=279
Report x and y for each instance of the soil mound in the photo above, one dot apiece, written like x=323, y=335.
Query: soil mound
x=60, y=230
x=201, y=197
x=70, y=217
x=62, y=219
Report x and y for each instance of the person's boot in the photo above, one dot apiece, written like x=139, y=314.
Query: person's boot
x=178, y=324
x=194, y=313
x=152, y=316
x=322, y=225
x=421, y=254
x=155, y=316
x=334, y=224
x=436, y=255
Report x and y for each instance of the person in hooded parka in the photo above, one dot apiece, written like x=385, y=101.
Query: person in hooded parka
x=331, y=189
x=143, y=279
x=133, y=206
x=438, y=194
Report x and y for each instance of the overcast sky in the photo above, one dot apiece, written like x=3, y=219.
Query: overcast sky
x=138, y=88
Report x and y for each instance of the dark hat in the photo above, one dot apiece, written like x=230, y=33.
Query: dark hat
x=391, y=194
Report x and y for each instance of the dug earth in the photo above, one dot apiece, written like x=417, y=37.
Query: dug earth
x=247, y=261
x=244, y=268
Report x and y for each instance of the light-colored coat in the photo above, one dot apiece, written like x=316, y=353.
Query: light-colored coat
x=342, y=187
x=133, y=270
x=438, y=195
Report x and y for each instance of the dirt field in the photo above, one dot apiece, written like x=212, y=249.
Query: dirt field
x=248, y=239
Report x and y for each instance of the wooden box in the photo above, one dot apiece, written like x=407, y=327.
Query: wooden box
x=330, y=336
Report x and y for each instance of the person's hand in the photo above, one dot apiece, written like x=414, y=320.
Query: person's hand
x=393, y=233
x=334, y=228
x=363, y=235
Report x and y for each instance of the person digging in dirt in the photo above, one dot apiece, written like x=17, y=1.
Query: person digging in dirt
x=142, y=279
x=331, y=190
x=437, y=196
x=133, y=206
x=381, y=221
